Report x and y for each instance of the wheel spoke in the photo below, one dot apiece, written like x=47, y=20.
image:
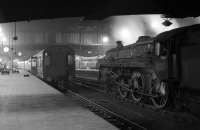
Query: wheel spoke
x=137, y=85
x=122, y=91
x=161, y=100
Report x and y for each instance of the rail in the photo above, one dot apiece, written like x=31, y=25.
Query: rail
x=114, y=118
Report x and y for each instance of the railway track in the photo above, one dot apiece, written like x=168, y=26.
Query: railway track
x=114, y=118
x=96, y=85
x=124, y=121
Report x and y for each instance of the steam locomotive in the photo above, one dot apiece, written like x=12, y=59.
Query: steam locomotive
x=164, y=69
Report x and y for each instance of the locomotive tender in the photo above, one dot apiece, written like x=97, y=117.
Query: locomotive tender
x=55, y=64
x=163, y=69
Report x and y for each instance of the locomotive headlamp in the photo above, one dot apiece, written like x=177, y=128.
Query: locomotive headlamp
x=46, y=54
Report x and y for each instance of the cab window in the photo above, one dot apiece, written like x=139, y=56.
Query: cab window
x=47, y=59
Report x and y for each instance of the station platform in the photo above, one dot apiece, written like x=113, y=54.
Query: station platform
x=27, y=103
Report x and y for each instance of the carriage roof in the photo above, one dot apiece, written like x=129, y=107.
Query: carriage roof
x=68, y=48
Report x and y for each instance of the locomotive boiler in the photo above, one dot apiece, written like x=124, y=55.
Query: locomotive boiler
x=163, y=69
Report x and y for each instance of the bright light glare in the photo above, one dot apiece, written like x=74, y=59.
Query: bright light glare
x=19, y=54
x=155, y=23
x=89, y=52
x=1, y=35
x=6, y=49
x=105, y=39
x=125, y=33
x=127, y=28
x=4, y=39
x=77, y=58
x=0, y=60
x=16, y=60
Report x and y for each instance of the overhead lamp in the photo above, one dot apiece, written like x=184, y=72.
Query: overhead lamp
x=19, y=54
x=105, y=39
x=167, y=23
x=6, y=49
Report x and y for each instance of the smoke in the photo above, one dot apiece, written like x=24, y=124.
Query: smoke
x=154, y=24
x=128, y=28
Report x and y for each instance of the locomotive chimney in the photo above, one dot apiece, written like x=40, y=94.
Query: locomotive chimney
x=119, y=44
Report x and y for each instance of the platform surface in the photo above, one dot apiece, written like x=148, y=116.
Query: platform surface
x=27, y=103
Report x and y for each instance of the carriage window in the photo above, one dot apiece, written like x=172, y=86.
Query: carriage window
x=33, y=63
x=163, y=50
x=157, y=49
x=69, y=59
x=39, y=61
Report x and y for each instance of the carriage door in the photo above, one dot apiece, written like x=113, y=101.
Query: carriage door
x=69, y=65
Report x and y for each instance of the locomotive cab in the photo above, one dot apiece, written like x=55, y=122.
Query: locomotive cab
x=160, y=60
x=183, y=62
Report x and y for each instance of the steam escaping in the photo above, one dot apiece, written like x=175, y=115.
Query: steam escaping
x=154, y=23
x=128, y=28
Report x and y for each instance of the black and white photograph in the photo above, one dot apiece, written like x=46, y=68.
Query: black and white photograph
x=100, y=65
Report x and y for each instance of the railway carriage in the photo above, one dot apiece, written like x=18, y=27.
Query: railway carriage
x=55, y=64
x=163, y=69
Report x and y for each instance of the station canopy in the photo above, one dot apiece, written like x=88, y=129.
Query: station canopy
x=40, y=15
x=93, y=9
